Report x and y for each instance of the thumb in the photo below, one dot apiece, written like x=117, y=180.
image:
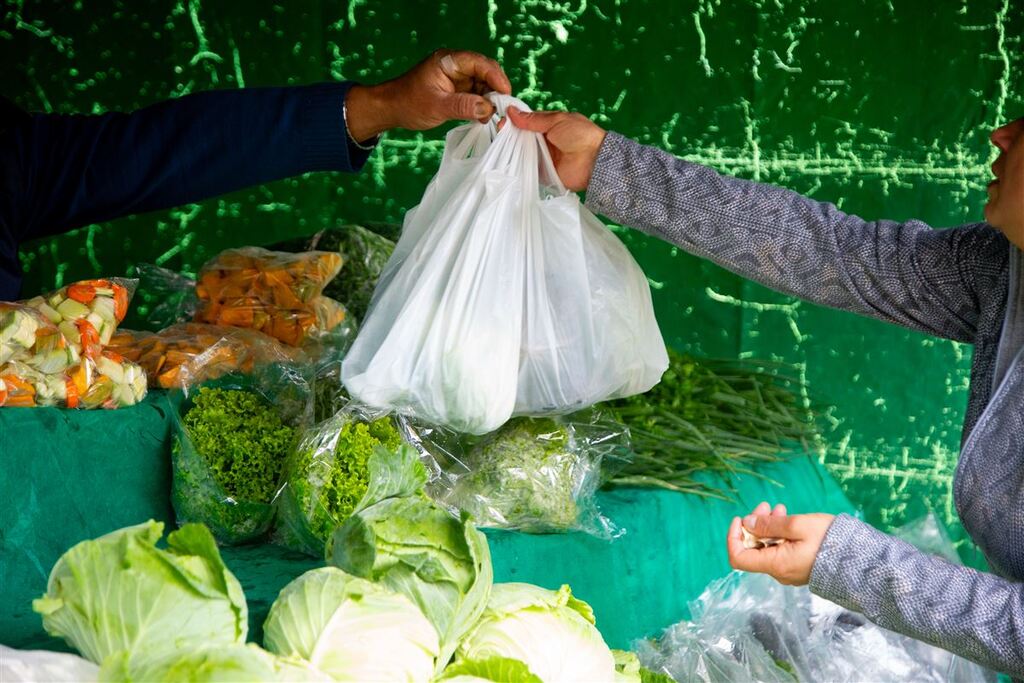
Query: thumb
x=536, y=121
x=466, y=106
x=767, y=526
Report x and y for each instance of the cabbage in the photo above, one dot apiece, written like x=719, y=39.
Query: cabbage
x=351, y=629
x=210, y=664
x=121, y=592
x=401, y=539
x=551, y=632
x=493, y=670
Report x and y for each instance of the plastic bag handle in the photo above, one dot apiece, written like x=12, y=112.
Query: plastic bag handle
x=501, y=104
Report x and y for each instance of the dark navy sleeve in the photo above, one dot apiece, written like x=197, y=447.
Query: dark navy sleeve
x=61, y=172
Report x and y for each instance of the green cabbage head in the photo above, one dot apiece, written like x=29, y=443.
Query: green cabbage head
x=208, y=664
x=120, y=592
x=351, y=629
x=551, y=632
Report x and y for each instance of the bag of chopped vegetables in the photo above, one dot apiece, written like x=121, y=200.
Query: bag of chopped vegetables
x=87, y=313
x=538, y=475
x=39, y=366
x=365, y=254
x=328, y=474
x=193, y=353
x=274, y=292
x=232, y=441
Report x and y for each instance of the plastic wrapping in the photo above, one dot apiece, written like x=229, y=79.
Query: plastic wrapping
x=232, y=440
x=748, y=627
x=276, y=293
x=88, y=312
x=504, y=296
x=538, y=475
x=35, y=666
x=365, y=254
x=327, y=476
x=41, y=367
x=193, y=353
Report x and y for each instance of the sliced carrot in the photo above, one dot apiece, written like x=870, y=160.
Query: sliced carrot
x=113, y=355
x=72, y=393
x=120, y=302
x=91, y=346
x=81, y=293
x=20, y=401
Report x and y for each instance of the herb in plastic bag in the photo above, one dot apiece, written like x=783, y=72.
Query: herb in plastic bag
x=228, y=461
x=328, y=476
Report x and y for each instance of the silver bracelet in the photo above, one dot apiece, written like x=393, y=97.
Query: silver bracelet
x=365, y=148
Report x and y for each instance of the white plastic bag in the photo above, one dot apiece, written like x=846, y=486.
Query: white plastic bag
x=504, y=296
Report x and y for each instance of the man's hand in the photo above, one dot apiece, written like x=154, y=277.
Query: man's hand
x=447, y=85
x=790, y=562
x=573, y=141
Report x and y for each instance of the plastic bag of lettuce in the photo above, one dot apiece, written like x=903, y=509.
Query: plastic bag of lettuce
x=328, y=474
x=231, y=444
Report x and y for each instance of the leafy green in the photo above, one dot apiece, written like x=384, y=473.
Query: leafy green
x=351, y=629
x=121, y=592
x=243, y=440
x=715, y=416
x=552, y=632
x=328, y=476
x=228, y=457
x=402, y=539
x=365, y=254
x=496, y=669
x=523, y=476
x=235, y=663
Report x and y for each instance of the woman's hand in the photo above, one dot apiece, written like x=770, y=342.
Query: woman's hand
x=449, y=84
x=790, y=562
x=573, y=141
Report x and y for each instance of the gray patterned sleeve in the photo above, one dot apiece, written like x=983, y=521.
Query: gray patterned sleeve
x=975, y=615
x=904, y=273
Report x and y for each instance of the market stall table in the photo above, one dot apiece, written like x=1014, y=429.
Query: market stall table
x=66, y=476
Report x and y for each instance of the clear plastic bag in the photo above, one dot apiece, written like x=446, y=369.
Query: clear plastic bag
x=30, y=666
x=41, y=367
x=538, y=475
x=365, y=253
x=748, y=627
x=88, y=312
x=504, y=296
x=276, y=293
x=193, y=353
x=232, y=440
x=327, y=476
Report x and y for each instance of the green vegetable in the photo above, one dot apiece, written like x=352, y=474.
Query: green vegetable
x=400, y=538
x=551, y=632
x=206, y=664
x=524, y=476
x=229, y=456
x=328, y=476
x=492, y=669
x=121, y=592
x=711, y=416
x=365, y=254
x=243, y=440
x=352, y=629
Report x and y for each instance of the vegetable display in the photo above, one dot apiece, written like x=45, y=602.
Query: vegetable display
x=532, y=474
x=193, y=353
x=235, y=663
x=273, y=292
x=121, y=592
x=87, y=313
x=328, y=475
x=352, y=629
x=229, y=453
x=711, y=416
x=551, y=632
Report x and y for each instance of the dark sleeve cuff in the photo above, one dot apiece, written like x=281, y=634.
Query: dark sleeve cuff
x=326, y=145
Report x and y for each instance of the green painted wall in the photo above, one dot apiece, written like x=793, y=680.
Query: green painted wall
x=882, y=107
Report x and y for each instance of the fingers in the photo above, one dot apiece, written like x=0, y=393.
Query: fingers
x=780, y=510
x=747, y=559
x=462, y=65
x=773, y=526
x=762, y=509
x=537, y=121
x=467, y=106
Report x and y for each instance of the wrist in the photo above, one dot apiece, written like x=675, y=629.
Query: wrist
x=368, y=111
